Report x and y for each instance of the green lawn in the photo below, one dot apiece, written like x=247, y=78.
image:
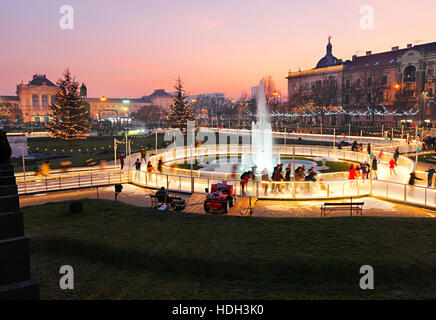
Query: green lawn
x=120, y=251
x=427, y=158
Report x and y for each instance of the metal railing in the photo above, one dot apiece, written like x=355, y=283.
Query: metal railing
x=71, y=180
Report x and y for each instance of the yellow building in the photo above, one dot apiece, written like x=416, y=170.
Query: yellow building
x=36, y=97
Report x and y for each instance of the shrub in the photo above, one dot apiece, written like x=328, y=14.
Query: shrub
x=76, y=207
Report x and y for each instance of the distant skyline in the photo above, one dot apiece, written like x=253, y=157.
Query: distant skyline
x=130, y=48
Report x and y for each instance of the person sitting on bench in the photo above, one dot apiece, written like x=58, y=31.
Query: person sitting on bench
x=162, y=195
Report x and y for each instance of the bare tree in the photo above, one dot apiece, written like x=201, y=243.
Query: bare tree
x=324, y=95
x=373, y=89
x=270, y=87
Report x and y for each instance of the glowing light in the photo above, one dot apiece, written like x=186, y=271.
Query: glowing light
x=103, y=99
x=126, y=101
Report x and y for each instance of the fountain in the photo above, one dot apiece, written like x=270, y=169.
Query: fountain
x=262, y=155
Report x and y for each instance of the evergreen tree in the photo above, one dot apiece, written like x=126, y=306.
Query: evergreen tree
x=70, y=119
x=180, y=111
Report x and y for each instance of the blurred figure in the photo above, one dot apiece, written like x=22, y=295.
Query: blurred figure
x=159, y=165
x=102, y=165
x=380, y=156
x=143, y=155
x=65, y=165
x=45, y=168
x=150, y=169
x=430, y=173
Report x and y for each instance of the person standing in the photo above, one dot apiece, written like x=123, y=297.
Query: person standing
x=245, y=177
x=138, y=168
x=122, y=156
x=288, y=176
x=265, y=180
x=368, y=148
x=365, y=170
x=430, y=173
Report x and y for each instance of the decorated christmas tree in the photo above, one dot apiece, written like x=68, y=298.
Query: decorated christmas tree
x=70, y=119
x=180, y=111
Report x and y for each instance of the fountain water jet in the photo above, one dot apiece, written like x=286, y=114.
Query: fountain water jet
x=262, y=155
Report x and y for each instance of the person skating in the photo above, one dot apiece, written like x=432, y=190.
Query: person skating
x=138, y=168
x=396, y=155
x=374, y=167
x=412, y=179
x=392, y=166
x=143, y=155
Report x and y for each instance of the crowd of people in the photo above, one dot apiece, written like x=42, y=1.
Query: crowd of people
x=280, y=177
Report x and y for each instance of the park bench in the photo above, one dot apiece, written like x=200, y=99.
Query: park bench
x=351, y=207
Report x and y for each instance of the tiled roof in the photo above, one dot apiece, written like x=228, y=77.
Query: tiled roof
x=427, y=47
x=160, y=93
x=374, y=60
x=41, y=80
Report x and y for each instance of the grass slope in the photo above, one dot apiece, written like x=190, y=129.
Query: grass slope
x=120, y=251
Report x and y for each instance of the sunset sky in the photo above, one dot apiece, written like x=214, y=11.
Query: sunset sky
x=129, y=48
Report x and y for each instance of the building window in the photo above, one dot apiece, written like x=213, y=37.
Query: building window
x=369, y=82
x=35, y=101
x=409, y=74
x=368, y=98
x=358, y=98
x=44, y=101
x=347, y=99
x=430, y=71
x=347, y=84
x=384, y=80
x=358, y=83
x=53, y=100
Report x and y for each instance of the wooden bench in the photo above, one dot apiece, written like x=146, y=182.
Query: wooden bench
x=176, y=202
x=342, y=206
x=155, y=203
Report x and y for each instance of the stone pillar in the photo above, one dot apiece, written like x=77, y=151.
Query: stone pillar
x=15, y=280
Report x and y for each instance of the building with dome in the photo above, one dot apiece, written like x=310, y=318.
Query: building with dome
x=397, y=80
